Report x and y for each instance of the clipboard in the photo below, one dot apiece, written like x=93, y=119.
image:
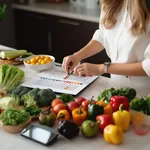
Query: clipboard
x=55, y=80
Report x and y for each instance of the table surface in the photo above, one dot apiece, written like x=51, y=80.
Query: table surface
x=131, y=140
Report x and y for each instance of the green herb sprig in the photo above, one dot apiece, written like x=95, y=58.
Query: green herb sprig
x=2, y=11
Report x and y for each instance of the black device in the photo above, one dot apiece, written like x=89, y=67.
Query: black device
x=41, y=134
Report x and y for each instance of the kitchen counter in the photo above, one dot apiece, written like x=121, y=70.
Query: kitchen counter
x=131, y=140
x=63, y=10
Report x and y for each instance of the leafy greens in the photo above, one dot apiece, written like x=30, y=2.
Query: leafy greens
x=10, y=77
x=14, y=117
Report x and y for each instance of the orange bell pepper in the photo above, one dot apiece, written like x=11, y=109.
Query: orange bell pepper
x=107, y=107
x=79, y=115
x=63, y=115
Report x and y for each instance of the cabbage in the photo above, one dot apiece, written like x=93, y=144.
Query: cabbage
x=10, y=77
x=9, y=102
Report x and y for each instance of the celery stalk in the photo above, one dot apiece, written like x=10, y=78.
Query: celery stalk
x=11, y=54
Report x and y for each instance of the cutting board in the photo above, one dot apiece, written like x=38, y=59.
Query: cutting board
x=10, y=62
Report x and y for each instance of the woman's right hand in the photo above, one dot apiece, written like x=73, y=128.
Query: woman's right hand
x=69, y=62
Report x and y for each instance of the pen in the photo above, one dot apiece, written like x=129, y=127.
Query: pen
x=70, y=64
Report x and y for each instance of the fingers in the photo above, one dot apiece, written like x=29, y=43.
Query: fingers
x=69, y=63
x=66, y=62
x=83, y=69
x=79, y=70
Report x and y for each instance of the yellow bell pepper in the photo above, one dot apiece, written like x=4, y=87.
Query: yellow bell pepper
x=113, y=134
x=122, y=118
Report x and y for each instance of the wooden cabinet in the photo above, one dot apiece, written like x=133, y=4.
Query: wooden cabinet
x=67, y=37
x=31, y=31
x=70, y=35
x=58, y=36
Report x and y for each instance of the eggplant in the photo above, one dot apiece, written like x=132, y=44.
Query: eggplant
x=68, y=129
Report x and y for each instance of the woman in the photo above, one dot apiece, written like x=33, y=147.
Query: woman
x=124, y=32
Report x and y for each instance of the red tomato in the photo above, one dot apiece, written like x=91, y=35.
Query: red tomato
x=59, y=107
x=85, y=104
x=79, y=100
x=56, y=101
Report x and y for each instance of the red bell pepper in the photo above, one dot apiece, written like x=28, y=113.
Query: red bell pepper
x=105, y=120
x=116, y=101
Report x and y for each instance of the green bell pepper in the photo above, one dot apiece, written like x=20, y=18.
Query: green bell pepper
x=94, y=110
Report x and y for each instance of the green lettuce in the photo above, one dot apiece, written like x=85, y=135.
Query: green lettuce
x=10, y=77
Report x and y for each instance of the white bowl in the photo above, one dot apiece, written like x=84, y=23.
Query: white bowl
x=40, y=67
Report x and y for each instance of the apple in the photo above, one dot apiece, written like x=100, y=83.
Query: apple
x=79, y=100
x=72, y=105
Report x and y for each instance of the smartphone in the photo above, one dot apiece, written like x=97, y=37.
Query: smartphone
x=41, y=134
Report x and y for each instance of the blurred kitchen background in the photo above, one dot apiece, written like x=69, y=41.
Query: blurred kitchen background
x=55, y=27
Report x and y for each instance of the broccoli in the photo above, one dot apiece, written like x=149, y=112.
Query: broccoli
x=38, y=97
x=45, y=97
x=34, y=91
x=24, y=91
x=17, y=90
x=20, y=91
x=139, y=104
x=30, y=98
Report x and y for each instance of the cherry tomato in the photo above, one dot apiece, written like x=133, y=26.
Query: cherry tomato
x=28, y=62
x=48, y=58
x=38, y=57
x=33, y=60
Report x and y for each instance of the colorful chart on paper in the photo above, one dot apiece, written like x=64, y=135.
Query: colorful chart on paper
x=55, y=79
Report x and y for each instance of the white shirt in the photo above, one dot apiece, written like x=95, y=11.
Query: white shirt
x=122, y=47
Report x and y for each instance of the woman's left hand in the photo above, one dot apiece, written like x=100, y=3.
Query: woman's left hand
x=88, y=69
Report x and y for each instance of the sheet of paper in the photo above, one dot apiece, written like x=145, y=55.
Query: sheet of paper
x=54, y=79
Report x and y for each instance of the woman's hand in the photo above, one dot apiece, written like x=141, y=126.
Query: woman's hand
x=88, y=69
x=70, y=62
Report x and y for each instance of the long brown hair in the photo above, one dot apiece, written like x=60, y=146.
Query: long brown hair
x=138, y=10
